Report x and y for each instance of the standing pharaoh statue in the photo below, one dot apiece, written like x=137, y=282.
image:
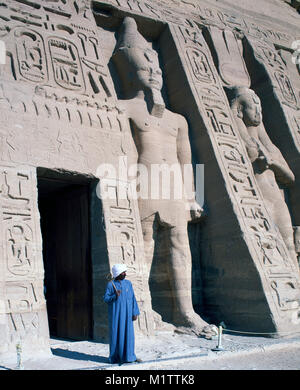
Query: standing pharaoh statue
x=160, y=137
x=269, y=166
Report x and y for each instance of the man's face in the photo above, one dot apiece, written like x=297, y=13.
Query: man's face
x=122, y=276
x=252, y=114
x=147, y=72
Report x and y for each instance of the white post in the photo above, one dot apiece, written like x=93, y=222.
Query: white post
x=220, y=337
x=19, y=356
x=219, y=346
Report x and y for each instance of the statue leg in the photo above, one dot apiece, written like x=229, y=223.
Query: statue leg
x=181, y=281
x=149, y=229
x=149, y=243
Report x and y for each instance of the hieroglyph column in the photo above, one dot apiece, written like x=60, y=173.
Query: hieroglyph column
x=23, y=315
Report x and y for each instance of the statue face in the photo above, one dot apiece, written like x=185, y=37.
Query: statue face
x=147, y=72
x=252, y=113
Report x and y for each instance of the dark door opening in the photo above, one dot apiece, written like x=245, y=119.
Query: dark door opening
x=64, y=212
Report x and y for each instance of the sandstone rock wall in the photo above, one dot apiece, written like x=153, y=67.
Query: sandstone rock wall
x=61, y=111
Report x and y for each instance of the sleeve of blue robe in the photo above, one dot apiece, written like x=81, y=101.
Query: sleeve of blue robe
x=110, y=294
x=120, y=312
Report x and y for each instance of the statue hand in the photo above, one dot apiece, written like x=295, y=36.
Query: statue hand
x=196, y=211
x=252, y=153
x=265, y=162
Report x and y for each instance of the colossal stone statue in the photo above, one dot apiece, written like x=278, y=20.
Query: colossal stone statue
x=161, y=137
x=269, y=166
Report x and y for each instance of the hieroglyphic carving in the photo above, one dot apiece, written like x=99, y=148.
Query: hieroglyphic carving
x=270, y=59
x=18, y=223
x=22, y=271
x=267, y=54
x=22, y=305
x=22, y=324
x=137, y=6
x=22, y=297
x=82, y=111
x=268, y=248
x=26, y=12
x=124, y=241
x=83, y=9
x=31, y=55
x=201, y=14
x=62, y=9
x=239, y=24
x=286, y=87
x=201, y=67
x=52, y=47
x=83, y=64
x=66, y=65
x=19, y=251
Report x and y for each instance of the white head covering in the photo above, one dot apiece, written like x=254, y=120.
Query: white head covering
x=117, y=269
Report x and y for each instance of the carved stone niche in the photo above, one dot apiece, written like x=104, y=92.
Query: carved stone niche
x=276, y=81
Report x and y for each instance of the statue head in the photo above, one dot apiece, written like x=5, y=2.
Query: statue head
x=246, y=104
x=136, y=61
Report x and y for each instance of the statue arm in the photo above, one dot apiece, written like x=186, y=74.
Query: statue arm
x=250, y=143
x=184, y=153
x=184, y=156
x=274, y=158
x=130, y=140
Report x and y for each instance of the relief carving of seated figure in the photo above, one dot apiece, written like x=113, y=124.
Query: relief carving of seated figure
x=160, y=136
x=269, y=166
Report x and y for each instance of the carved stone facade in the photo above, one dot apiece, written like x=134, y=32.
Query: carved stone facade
x=64, y=114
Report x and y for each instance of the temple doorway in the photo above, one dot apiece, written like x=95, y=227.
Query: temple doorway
x=65, y=228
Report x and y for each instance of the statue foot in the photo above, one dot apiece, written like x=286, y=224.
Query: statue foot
x=208, y=331
x=194, y=325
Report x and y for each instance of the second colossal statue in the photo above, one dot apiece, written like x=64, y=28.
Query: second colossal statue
x=269, y=166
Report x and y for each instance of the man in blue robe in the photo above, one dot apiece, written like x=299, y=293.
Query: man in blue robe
x=122, y=311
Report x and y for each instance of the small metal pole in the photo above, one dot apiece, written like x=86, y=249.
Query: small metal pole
x=219, y=346
x=19, y=356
